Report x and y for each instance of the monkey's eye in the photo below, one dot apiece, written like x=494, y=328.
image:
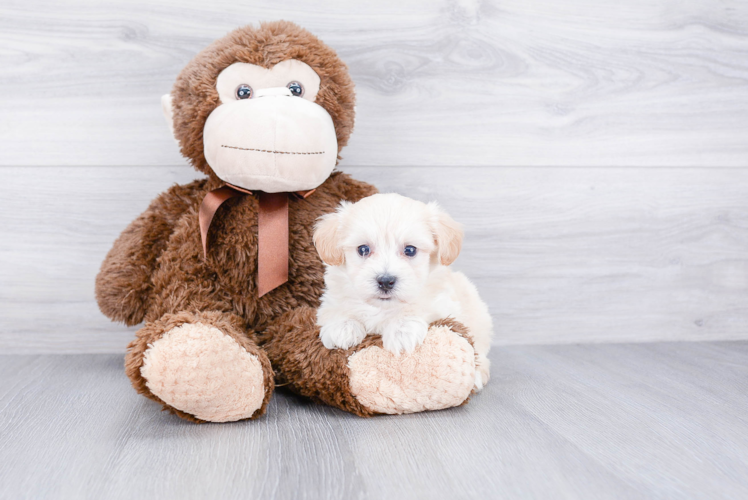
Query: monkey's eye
x=364, y=250
x=296, y=89
x=243, y=91
x=410, y=251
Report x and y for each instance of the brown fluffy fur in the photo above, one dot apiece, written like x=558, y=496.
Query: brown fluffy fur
x=306, y=366
x=155, y=270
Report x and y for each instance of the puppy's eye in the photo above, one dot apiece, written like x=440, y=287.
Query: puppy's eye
x=243, y=91
x=296, y=89
x=364, y=250
x=410, y=251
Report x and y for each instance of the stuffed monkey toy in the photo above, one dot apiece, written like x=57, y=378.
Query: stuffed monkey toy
x=223, y=270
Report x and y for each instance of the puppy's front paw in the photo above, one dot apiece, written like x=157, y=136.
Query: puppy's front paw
x=342, y=334
x=405, y=335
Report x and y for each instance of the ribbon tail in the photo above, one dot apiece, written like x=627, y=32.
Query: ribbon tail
x=208, y=208
x=305, y=194
x=272, y=257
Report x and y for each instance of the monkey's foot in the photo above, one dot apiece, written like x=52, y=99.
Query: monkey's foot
x=439, y=374
x=201, y=370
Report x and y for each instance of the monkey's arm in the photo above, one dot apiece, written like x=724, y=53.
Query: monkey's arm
x=123, y=285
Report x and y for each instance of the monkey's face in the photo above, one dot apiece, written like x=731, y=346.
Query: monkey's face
x=267, y=133
x=265, y=108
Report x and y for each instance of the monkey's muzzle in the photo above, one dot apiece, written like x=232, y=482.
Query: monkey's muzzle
x=273, y=142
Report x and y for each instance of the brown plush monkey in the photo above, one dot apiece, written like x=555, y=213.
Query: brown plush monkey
x=263, y=112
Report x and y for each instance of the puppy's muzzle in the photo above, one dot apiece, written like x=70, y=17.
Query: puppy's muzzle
x=386, y=282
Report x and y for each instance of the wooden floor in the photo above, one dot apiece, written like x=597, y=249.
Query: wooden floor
x=663, y=420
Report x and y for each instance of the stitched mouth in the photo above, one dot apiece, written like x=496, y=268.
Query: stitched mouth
x=275, y=152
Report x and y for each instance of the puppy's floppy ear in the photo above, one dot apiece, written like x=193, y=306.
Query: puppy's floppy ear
x=327, y=237
x=447, y=233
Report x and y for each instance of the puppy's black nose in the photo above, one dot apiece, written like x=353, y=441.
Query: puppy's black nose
x=386, y=282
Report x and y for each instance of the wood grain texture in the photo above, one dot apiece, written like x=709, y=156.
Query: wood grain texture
x=595, y=421
x=560, y=255
x=449, y=82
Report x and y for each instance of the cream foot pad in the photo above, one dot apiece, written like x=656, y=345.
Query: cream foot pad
x=439, y=374
x=199, y=370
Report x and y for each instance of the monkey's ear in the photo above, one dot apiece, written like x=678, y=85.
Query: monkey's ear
x=447, y=233
x=168, y=110
x=327, y=237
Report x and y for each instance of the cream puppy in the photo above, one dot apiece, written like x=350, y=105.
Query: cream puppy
x=387, y=273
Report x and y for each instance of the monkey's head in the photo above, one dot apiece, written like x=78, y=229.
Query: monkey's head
x=265, y=108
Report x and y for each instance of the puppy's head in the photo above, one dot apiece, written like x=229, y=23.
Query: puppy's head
x=387, y=244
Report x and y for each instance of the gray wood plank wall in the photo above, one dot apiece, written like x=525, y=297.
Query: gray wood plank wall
x=596, y=151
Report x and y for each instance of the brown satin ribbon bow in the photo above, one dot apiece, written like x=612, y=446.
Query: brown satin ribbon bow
x=272, y=237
